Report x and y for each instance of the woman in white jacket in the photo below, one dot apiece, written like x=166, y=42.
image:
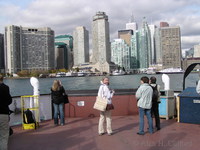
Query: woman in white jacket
x=105, y=92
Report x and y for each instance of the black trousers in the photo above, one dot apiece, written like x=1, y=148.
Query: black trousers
x=155, y=113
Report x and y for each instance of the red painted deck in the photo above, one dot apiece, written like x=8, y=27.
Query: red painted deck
x=81, y=134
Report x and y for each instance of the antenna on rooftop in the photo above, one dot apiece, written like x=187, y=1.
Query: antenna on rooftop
x=132, y=18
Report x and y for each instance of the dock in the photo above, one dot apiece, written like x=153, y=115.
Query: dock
x=81, y=134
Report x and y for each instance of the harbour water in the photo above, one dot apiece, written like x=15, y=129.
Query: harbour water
x=20, y=86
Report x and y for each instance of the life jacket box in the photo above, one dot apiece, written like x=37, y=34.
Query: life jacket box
x=28, y=126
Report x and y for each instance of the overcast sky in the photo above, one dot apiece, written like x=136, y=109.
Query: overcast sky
x=63, y=16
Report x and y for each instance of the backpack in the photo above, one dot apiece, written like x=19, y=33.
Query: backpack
x=155, y=94
x=28, y=117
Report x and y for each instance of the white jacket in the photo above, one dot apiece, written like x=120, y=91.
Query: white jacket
x=144, y=96
x=105, y=92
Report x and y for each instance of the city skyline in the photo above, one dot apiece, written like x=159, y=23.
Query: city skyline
x=62, y=16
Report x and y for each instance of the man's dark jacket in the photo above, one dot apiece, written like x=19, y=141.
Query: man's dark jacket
x=5, y=99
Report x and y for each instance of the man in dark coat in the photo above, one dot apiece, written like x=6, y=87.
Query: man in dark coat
x=5, y=101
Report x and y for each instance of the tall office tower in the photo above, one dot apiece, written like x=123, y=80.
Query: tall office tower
x=60, y=55
x=120, y=54
x=2, y=64
x=101, y=42
x=134, y=51
x=125, y=35
x=81, y=45
x=196, y=51
x=144, y=46
x=64, y=51
x=158, y=58
x=164, y=24
x=13, y=49
x=29, y=48
x=170, y=40
x=153, y=52
x=132, y=25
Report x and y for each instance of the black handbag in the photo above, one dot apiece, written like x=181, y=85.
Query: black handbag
x=110, y=107
x=66, y=100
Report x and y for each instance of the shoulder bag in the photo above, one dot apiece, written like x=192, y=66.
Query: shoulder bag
x=66, y=99
x=100, y=104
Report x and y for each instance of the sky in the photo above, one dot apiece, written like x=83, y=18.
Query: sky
x=63, y=16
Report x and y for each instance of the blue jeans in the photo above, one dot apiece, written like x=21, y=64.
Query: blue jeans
x=146, y=112
x=59, y=111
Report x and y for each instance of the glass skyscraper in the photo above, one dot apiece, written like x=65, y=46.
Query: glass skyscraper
x=120, y=54
x=144, y=45
x=64, y=51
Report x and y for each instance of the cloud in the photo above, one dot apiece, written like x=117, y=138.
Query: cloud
x=64, y=15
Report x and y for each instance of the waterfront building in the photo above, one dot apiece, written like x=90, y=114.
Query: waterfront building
x=170, y=42
x=80, y=45
x=152, y=29
x=101, y=49
x=2, y=64
x=125, y=35
x=61, y=55
x=144, y=48
x=196, y=51
x=132, y=25
x=164, y=24
x=64, y=51
x=134, y=51
x=158, y=56
x=29, y=48
x=188, y=61
x=189, y=53
x=120, y=54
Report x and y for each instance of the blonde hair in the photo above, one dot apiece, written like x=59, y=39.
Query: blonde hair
x=56, y=85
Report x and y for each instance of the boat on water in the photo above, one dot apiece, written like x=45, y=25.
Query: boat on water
x=171, y=71
x=60, y=74
x=151, y=70
x=118, y=73
x=71, y=74
x=80, y=74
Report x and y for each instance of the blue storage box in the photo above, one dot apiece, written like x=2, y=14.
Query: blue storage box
x=167, y=104
x=189, y=106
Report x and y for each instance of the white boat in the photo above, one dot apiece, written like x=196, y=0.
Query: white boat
x=151, y=71
x=118, y=73
x=60, y=74
x=71, y=74
x=171, y=70
x=80, y=74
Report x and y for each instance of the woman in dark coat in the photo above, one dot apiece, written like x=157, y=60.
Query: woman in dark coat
x=57, y=96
